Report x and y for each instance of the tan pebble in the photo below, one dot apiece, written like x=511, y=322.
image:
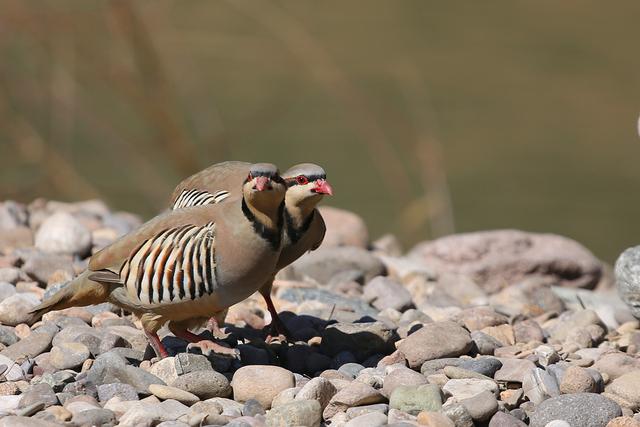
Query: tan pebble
x=59, y=276
x=8, y=389
x=60, y=413
x=624, y=422
x=99, y=318
x=23, y=385
x=145, y=364
x=628, y=327
x=503, y=333
x=434, y=419
x=86, y=365
x=315, y=341
x=165, y=392
x=577, y=380
x=22, y=330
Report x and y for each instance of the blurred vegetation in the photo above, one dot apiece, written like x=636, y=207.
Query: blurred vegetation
x=430, y=117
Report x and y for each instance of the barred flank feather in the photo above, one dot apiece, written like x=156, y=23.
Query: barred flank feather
x=175, y=265
x=189, y=198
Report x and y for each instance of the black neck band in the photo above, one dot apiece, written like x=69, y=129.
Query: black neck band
x=269, y=234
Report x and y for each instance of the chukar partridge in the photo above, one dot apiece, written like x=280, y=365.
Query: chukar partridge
x=183, y=266
x=304, y=227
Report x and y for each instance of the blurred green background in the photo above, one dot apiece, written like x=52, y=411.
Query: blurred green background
x=430, y=117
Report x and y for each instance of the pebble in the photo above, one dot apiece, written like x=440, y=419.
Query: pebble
x=164, y=392
x=577, y=380
x=324, y=263
x=434, y=419
x=624, y=422
x=69, y=355
x=539, y=385
x=123, y=391
x=415, y=399
x=500, y=419
x=261, y=383
x=579, y=409
x=481, y=407
x=402, y=376
x=31, y=346
x=204, y=384
x=354, y=394
x=625, y=389
x=170, y=368
x=62, y=233
x=372, y=419
x=320, y=389
x=94, y=417
x=461, y=389
x=383, y=293
x=15, y=309
x=296, y=413
x=434, y=341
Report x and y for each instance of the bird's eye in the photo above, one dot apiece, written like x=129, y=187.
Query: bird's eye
x=301, y=179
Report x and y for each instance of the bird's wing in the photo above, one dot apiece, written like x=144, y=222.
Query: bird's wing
x=211, y=185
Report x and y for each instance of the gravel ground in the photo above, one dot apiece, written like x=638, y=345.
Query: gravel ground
x=497, y=328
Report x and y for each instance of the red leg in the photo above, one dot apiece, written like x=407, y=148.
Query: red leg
x=276, y=322
x=156, y=344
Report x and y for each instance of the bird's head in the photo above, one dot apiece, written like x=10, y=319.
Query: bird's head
x=306, y=185
x=264, y=188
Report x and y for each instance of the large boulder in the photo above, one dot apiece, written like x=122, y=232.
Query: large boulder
x=496, y=259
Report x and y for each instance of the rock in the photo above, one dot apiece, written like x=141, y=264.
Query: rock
x=402, y=376
x=434, y=419
x=477, y=318
x=624, y=422
x=461, y=389
x=356, y=411
x=18, y=421
x=319, y=389
x=164, y=392
x=146, y=413
x=354, y=394
x=9, y=403
x=539, y=385
x=513, y=370
x=485, y=344
x=482, y=365
x=568, y=322
x=351, y=369
x=579, y=409
x=15, y=309
x=458, y=414
x=577, y=380
x=434, y=341
x=333, y=302
x=39, y=393
x=344, y=228
x=530, y=297
x=481, y=407
x=170, y=368
x=627, y=273
x=204, y=384
x=94, y=417
x=41, y=266
x=615, y=364
x=503, y=333
x=63, y=233
x=69, y=355
x=363, y=339
x=415, y=399
x=261, y=383
x=123, y=391
x=252, y=408
x=626, y=389
x=296, y=413
x=372, y=419
x=136, y=377
x=322, y=264
x=528, y=331
x=12, y=371
x=500, y=419
x=285, y=396
x=383, y=293
x=9, y=275
x=60, y=413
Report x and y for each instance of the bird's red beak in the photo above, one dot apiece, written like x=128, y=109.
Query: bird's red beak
x=323, y=187
x=262, y=183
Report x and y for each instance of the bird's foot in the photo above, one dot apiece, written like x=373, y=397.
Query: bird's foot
x=278, y=331
x=215, y=329
x=207, y=347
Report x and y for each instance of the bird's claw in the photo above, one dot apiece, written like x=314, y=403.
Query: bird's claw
x=207, y=347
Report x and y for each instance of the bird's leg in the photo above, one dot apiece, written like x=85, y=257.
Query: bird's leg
x=213, y=325
x=156, y=344
x=206, y=346
x=276, y=322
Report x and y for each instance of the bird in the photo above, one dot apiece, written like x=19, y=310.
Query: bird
x=304, y=227
x=184, y=265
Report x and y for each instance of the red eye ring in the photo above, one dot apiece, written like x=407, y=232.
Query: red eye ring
x=301, y=179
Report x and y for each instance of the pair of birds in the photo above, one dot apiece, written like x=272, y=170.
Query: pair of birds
x=230, y=229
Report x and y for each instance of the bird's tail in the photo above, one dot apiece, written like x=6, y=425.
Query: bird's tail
x=80, y=292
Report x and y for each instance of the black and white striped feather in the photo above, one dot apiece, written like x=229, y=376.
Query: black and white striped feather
x=178, y=264
x=194, y=197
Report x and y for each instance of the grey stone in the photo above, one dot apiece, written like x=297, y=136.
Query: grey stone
x=41, y=266
x=579, y=409
x=204, y=384
x=252, y=408
x=500, y=419
x=319, y=389
x=123, y=391
x=356, y=411
x=434, y=341
x=485, y=343
x=333, y=300
x=31, y=346
x=458, y=414
x=627, y=273
x=324, y=263
x=94, y=417
x=539, y=385
x=296, y=413
x=69, y=355
x=414, y=399
x=63, y=233
x=402, y=376
x=372, y=419
x=498, y=257
x=15, y=309
x=383, y=293
x=18, y=421
x=362, y=339
x=482, y=365
x=433, y=366
x=481, y=407
x=261, y=382
x=39, y=393
x=351, y=369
